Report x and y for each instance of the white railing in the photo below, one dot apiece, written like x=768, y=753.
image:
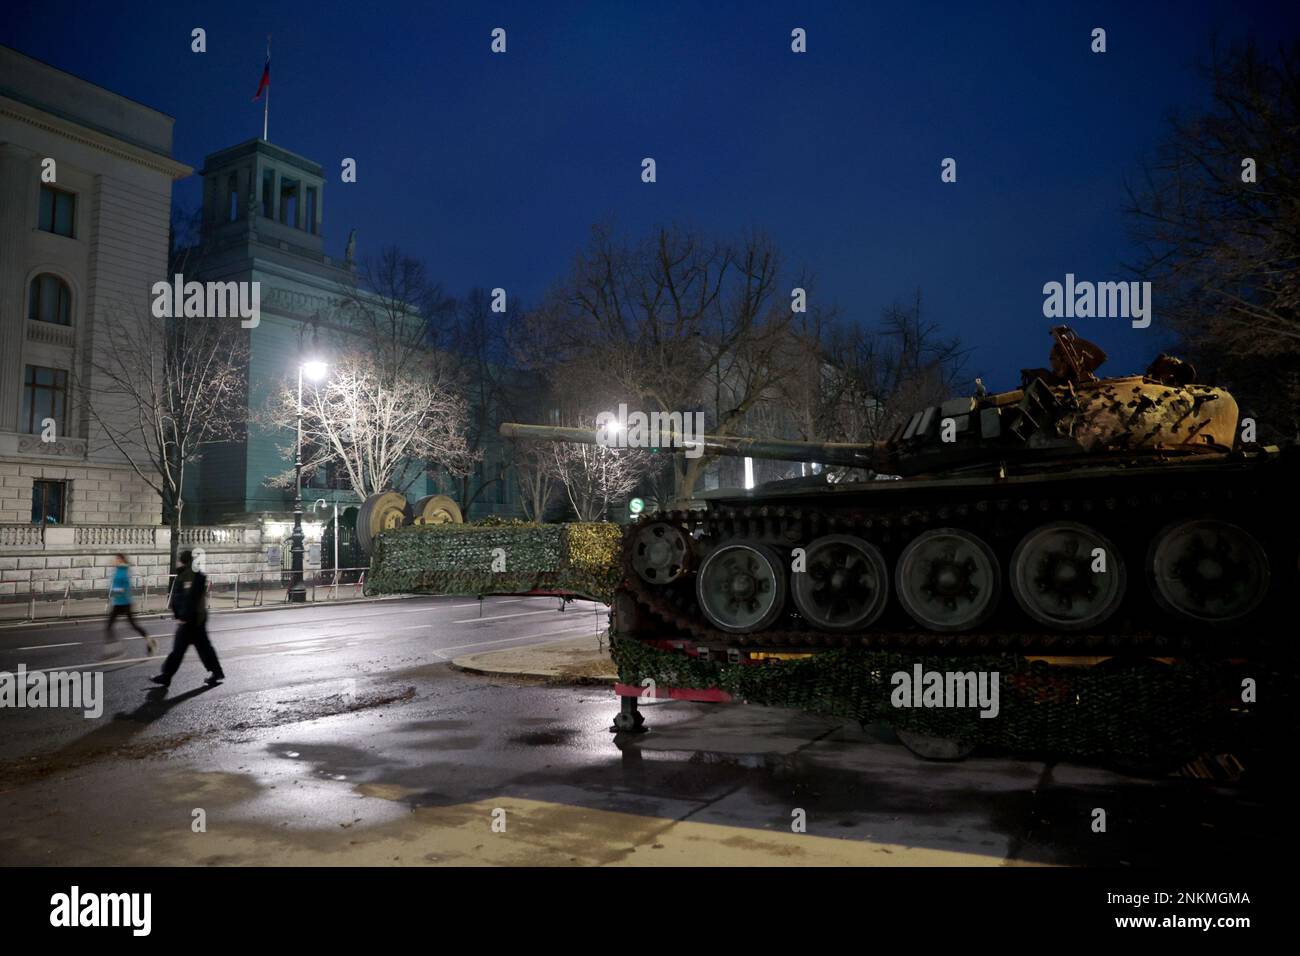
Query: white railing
x=106, y=536
x=215, y=534
x=20, y=536
x=50, y=333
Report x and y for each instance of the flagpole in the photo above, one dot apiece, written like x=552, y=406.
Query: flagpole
x=266, y=106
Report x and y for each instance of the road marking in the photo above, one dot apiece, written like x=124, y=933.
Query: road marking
x=489, y=599
x=106, y=662
x=502, y=617
x=504, y=640
x=567, y=630
x=41, y=647
x=113, y=662
x=155, y=617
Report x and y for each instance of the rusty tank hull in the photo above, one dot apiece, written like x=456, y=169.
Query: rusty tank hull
x=1074, y=516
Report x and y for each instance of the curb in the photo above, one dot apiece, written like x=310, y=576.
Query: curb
x=551, y=679
x=574, y=680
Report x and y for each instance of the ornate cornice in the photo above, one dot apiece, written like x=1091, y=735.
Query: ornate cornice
x=69, y=129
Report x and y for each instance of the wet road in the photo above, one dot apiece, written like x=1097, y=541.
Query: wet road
x=343, y=736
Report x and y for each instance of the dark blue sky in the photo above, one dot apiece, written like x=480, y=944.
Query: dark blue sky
x=493, y=168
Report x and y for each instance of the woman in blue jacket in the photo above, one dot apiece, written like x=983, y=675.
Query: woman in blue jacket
x=119, y=593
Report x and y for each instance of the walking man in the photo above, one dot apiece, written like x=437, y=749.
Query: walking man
x=119, y=593
x=190, y=606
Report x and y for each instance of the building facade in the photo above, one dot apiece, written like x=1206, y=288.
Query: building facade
x=85, y=204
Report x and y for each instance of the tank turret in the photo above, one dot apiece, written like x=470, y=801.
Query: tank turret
x=1058, y=414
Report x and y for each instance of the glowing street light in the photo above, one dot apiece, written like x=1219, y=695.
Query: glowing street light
x=315, y=370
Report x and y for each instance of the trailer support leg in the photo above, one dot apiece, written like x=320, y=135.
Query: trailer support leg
x=629, y=719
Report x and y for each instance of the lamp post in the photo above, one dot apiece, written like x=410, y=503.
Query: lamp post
x=315, y=370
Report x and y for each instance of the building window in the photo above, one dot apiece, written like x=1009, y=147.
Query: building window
x=49, y=300
x=232, y=197
x=289, y=202
x=268, y=184
x=45, y=395
x=58, y=211
x=311, y=210
x=49, y=498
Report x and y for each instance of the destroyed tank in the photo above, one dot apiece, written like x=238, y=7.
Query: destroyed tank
x=1073, y=516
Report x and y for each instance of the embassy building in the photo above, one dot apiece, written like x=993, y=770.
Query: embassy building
x=262, y=215
x=262, y=221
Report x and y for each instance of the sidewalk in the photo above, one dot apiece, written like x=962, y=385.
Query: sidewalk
x=574, y=660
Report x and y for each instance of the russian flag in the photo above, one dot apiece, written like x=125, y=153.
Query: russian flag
x=265, y=82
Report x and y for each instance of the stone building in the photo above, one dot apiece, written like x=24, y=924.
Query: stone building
x=85, y=201
x=262, y=222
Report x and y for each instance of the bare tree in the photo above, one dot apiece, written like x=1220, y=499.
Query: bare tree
x=535, y=478
x=381, y=432
x=397, y=309
x=856, y=383
x=1217, y=216
x=594, y=476
x=678, y=322
x=164, y=390
x=479, y=355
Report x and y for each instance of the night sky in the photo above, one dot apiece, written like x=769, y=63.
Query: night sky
x=493, y=168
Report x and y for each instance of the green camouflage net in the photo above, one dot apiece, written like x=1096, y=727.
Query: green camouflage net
x=1150, y=710
x=459, y=559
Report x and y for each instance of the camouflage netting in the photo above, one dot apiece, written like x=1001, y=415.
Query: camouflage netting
x=458, y=559
x=1155, y=711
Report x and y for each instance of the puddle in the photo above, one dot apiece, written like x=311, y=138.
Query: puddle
x=546, y=738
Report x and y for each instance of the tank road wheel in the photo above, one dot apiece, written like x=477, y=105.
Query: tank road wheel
x=660, y=553
x=948, y=580
x=437, y=509
x=1208, y=570
x=380, y=512
x=844, y=585
x=741, y=587
x=1054, y=582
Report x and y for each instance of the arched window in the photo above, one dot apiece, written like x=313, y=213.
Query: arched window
x=50, y=300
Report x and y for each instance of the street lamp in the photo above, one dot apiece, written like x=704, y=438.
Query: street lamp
x=321, y=502
x=315, y=371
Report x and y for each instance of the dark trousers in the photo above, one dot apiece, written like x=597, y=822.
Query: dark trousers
x=187, y=634
x=118, y=611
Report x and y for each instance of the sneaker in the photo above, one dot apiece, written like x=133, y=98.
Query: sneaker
x=115, y=649
x=160, y=680
x=215, y=678
x=151, y=646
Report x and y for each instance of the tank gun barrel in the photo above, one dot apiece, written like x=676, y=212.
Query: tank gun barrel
x=826, y=453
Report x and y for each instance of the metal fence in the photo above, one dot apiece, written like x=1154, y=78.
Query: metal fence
x=233, y=589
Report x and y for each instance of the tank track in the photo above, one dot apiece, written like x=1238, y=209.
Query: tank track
x=1138, y=507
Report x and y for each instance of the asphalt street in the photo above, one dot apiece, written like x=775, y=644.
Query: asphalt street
x=343, y=735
